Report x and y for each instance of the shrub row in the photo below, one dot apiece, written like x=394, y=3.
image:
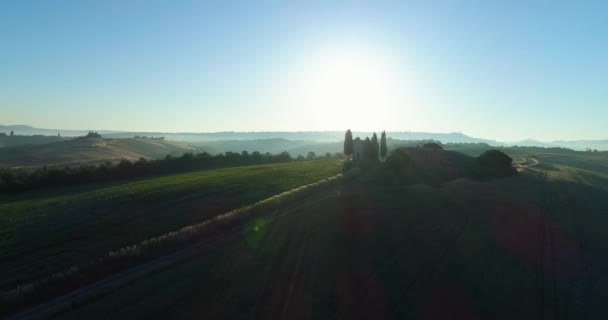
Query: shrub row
x=12, y=181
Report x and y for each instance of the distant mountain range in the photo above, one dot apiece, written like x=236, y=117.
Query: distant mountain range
x=580, y=145
x=305, y=136
x=29, y=130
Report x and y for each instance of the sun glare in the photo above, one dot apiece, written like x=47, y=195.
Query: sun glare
x=346, y=89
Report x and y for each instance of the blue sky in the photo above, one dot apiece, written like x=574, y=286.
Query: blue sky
x=504, y=70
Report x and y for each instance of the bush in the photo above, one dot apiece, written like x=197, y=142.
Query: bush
x=399, y=168
x=432, y=145
x=93, y=134
x=493, y=164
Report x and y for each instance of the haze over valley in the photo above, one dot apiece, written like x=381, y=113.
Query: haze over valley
x=303, y=160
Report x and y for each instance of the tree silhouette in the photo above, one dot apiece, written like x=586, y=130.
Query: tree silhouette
x=12, y=133
x=311, y=155
x=93, y=134
x=383, y=149
x=348, y=144
x=432, y=145
x=494, y=164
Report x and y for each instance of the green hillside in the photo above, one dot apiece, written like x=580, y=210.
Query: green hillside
x=89, y=151
x=43, y=233
x=527, y=247
x=8, y=141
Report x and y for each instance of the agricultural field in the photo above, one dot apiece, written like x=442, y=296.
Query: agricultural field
x=8, y=141
x=527, y=247
x=48, y=231
x=79, y=151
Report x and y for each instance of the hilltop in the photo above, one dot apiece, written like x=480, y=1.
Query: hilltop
x=316, y=136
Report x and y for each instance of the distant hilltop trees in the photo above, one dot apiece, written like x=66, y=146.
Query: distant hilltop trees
x=150, y=138
x=432, y=145
x=93, y=134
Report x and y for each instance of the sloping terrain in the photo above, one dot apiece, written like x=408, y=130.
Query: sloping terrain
x=437, y=160
x=8, y=141
x=532, y=246
x=89, y=151
x=526, y=247
x=50, y=231
x=294, y=147
x=468, y=250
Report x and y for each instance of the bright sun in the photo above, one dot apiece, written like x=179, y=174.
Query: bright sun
x=346, y=90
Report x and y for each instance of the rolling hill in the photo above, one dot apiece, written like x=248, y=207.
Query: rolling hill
x=7, y=141
x=80, y=151
x=527, y=247
x=45, y=232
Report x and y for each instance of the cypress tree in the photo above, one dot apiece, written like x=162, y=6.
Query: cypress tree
x=383, y=149
x=348, y=144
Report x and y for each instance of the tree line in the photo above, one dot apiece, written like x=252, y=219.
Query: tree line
x=148, y=138
x=17, y=180
x=371, y=149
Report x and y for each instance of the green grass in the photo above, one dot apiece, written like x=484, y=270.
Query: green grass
x=28, y=140
x=50, y=234
x=530, y=246
x=475, y=150
x=465, y=250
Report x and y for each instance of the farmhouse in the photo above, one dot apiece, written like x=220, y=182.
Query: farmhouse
x=359, y=148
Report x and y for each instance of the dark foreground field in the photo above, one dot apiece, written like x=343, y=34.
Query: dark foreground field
x=528, y=247
x=49, y=231
x=533, y=246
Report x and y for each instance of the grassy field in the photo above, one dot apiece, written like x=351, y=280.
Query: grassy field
x=474, y=150
x=527, y=247
x=8, y=141
x=49, y=233
x=89, y=151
